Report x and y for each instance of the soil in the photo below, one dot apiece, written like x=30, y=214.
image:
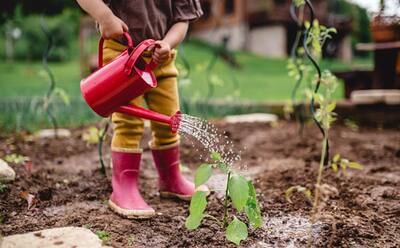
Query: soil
x=70, y=190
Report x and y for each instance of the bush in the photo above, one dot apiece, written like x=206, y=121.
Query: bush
x=33, y=41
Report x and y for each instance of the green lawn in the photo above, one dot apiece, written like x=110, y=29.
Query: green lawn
x=23, y=84
x=259, y=79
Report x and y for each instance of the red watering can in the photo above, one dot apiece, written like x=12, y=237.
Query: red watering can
x=113, y=86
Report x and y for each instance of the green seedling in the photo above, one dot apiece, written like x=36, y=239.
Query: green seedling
x=92, y=135
x=3, y=188
x=351, y=124
x=315, y=35
x=16, y=158
x=343, y=164
x=103, y=235
x=240, y=195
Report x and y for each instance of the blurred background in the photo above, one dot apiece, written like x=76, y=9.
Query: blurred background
x=234, y=59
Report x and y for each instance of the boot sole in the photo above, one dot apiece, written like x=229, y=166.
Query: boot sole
x=131, y=214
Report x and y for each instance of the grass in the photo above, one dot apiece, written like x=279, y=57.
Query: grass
x=260, y=79
x=23, y=84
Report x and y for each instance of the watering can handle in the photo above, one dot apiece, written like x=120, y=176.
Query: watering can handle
x=137, y=52
x=101, y=42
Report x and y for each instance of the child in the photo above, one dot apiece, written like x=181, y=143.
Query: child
x=166, y=21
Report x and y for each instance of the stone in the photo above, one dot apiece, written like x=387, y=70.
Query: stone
x=63, y=237
x=51, y=133
x=7, y=174
x=256, y=117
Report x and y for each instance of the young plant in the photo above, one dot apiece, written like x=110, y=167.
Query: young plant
x=3, y=188
x=103, y=235
x=240, y=195
x=94, y=135
x=16, y=158
x=314, y=37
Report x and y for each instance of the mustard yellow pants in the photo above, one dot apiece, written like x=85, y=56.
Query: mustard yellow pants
x=164, y=99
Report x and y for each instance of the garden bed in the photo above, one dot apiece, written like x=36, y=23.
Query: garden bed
x=72, y=191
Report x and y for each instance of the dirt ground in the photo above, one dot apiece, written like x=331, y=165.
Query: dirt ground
x=71, y=191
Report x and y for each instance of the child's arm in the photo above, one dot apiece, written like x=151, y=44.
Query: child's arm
x=175, y=35
x=110, y=25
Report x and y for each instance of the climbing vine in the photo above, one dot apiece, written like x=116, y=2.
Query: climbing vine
x=52, y=90
x=303, y=61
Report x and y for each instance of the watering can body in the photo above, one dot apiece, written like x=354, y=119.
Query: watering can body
x=113, y=86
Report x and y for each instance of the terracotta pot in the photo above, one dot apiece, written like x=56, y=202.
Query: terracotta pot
x=385, y=28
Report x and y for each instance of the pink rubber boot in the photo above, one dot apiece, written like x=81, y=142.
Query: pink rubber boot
x=171, y=181
x=125, y=198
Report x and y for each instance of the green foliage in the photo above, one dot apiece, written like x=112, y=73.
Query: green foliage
x=30, y=46
x=236, y=231
x=3, y=188
x=198, y=204
x=298, y=3
x=305, y=191
x=238, y=190
x=92, y=135
x=16, y=158
x=351, y=124
x=103, y=235
x=252, y=208
x=317, y=37
x=344, y=164
x=360, y=21
x=202, y=175
x=216, y=156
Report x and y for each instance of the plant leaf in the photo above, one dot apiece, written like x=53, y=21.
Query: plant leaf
x=289, y=193
x=355, y=166
x=197, y=206
x=238, y=191
x=216, y=156
x=236, y=231
x=193, y=221
x=62, y=95
x=336, y=157
x=203, y=173
x=331, y=106
x=223, y=167
x=334, y=167
x=252, y=208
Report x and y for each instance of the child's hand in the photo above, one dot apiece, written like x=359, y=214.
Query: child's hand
x=112, y=27
x=161, y=52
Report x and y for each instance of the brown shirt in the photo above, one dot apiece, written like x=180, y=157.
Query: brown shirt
x=153, y=18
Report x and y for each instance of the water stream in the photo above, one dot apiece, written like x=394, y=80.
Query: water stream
x=210, y=137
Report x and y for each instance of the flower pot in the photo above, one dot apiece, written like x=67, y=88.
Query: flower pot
x=385, y=28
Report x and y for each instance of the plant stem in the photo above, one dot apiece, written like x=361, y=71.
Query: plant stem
x=318, y=184
x=100, y=147
x=225, y=220
x=215, y=219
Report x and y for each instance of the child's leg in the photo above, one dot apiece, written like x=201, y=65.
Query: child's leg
x=125, y=198
x=128, y=130
x=165, y=146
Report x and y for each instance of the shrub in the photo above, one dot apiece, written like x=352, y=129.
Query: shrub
x=33, y=41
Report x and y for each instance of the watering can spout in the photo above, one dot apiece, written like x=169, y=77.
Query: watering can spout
x=173, y=121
